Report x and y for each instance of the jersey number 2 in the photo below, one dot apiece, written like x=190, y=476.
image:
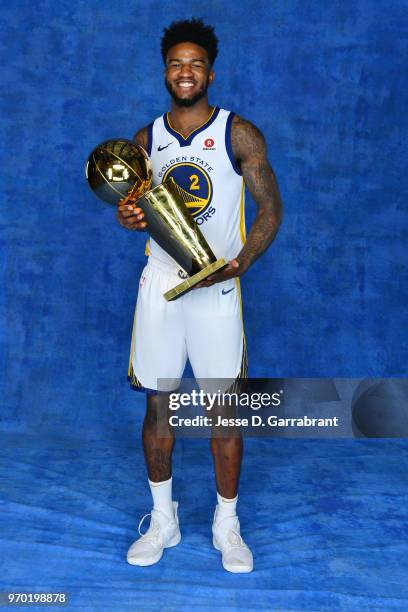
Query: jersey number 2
x=194, y=182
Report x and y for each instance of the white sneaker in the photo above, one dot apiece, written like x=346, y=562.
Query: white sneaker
x=162, y=533
x=236, y=556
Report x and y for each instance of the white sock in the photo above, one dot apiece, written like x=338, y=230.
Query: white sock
x=226, y=507
x=162, y=496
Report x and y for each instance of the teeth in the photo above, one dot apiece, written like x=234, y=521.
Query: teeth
x=186, y=85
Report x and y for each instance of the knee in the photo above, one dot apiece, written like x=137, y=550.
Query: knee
x=221, y=441
x=156, y=411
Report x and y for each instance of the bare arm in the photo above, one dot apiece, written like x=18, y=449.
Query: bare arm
x=249, y=149
x=128, y=215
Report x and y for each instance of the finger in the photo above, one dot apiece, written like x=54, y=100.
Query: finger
x=130, y=210
x=125, y=214
x=204, y=283
x=137, y=225
x=128, y=206
x=225, y=272
x=216, y=275
x=221, y=275
x=214, y=279
x=139, y=214
x=132, y=224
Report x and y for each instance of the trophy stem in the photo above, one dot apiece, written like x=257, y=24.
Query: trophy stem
x=192, y=281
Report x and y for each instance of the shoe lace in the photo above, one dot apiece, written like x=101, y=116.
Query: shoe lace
x=141, y=523
x=154, y=532
x=237, y=541
x=234, y=538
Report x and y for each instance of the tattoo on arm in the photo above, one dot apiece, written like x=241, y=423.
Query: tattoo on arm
x=249, y=149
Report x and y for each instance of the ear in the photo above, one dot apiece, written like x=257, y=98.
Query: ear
x=211, y=76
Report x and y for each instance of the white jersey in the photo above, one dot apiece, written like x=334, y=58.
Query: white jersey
x=203, y=165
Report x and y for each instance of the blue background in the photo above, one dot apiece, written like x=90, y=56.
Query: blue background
x=327, y=85
x=325, y=82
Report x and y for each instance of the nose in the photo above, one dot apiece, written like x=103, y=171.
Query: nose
x=185, y=70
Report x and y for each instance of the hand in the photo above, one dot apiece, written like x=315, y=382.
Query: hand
x=234, y=268
x=130, y=216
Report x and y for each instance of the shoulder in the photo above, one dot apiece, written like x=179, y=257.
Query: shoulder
x=246, y=138
x=142, y=136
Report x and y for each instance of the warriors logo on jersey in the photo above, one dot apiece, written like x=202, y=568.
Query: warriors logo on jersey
x=203, y=166
x=195, y=185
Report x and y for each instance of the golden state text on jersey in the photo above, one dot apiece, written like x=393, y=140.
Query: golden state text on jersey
x=211, y=184
x=194, y=180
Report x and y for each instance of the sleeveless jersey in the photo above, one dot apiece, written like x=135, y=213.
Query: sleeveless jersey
x=204, y=167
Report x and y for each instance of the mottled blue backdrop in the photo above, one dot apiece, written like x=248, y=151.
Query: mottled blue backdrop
x=326, y=520
x=325, y=82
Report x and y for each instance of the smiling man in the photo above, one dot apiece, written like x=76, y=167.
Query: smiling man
x=212, y=154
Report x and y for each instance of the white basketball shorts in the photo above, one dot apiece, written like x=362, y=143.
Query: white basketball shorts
x=204, y=325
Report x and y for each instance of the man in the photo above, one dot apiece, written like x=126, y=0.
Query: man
x=210, y=153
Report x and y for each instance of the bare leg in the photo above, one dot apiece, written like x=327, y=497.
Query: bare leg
x=227, y=455
x=157, y=450
x=235, y=554
x=158, y=442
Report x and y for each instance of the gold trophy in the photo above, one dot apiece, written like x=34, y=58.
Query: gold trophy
x=118, y=169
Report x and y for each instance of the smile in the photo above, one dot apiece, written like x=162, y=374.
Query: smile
x=185, y=84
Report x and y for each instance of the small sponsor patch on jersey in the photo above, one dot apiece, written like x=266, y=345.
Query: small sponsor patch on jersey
x=209, y=144
x=142, y=281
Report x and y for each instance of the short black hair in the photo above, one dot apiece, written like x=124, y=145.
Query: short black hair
x=193, y=30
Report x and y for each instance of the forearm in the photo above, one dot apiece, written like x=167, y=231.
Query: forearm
x=261, y=235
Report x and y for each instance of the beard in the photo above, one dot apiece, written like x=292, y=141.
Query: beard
x=185, y=102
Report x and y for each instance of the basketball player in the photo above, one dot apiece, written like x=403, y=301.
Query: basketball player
x=212, y=154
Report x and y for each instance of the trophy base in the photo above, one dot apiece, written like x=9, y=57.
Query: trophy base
x=192, y=281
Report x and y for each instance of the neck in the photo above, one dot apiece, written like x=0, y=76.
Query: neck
x=187, y=117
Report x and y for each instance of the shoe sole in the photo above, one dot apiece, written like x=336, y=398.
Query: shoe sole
x=246, y=569
x=152, y=560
